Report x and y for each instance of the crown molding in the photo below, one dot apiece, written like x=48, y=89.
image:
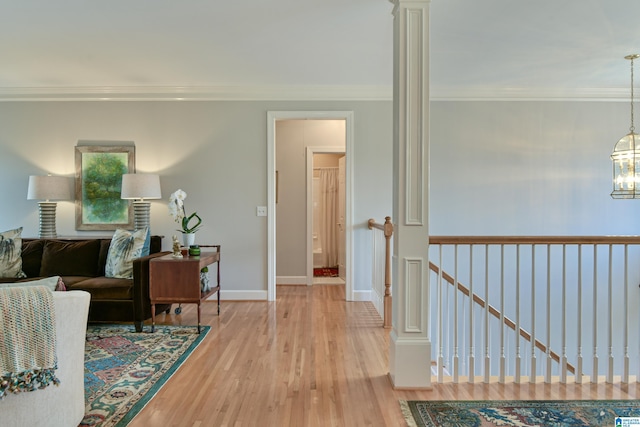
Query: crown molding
x=302, y=93
x=198, y=93
x=528, y=94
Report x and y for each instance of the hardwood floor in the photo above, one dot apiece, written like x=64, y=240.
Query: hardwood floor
x=308, y=359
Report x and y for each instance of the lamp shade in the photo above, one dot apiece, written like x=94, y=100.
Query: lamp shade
x=48, y=188
x=140, y=186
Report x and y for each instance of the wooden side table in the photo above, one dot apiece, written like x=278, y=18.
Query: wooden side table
x=177, y=280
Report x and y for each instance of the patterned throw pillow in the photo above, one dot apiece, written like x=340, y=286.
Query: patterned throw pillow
x=10, y=253
x=146, y=248
x=124, y=248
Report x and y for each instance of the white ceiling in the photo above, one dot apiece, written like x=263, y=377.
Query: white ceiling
x=479, y=48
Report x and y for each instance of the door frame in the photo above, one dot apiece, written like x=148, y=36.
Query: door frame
x=272, y=117
x=310, y=152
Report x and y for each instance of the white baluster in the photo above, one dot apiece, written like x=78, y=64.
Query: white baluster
x=487, y=314
x=578, y=372
x=547, y=375
x=625, y=369
x=440, y=320
x=502, y=344
x=563, y=360
x=517, y=302
x=594, y=372
x=610, y=320
x=472, y=358
x=533, y=373
x=455, y=318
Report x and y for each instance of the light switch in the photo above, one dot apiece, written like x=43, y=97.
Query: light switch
x=261, y=211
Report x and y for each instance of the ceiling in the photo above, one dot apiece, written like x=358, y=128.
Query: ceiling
x=313, y=48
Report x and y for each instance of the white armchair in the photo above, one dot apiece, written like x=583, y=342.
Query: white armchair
x=61, y=406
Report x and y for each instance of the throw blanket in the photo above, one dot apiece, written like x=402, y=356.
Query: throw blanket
x=27, y=339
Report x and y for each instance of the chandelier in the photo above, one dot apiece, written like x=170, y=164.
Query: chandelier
x=626, y=158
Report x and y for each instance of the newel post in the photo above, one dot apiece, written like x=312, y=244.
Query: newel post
x=388, y=233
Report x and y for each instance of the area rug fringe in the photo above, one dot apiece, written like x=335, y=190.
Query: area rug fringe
x=406, y=413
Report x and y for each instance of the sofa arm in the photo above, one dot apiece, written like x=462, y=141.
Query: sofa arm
x=141, y=301
x=63, y=405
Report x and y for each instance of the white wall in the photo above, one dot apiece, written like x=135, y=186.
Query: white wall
x=496, y=168
x=215, y=151
x=520, y=168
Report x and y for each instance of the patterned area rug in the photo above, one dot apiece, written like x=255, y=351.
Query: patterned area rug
x=325, y=272
x=521, y=413
x=123, y=369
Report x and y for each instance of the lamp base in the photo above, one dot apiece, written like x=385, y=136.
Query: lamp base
x=141, y=214
x=47, y=219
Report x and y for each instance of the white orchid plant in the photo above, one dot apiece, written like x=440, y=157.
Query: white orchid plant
x=177, y=211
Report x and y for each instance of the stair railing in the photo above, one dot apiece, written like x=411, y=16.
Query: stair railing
x=550, y=292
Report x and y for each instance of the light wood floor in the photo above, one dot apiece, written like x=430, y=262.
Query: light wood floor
x=308, y=359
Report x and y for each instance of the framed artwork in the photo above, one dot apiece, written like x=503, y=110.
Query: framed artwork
x=99, y=171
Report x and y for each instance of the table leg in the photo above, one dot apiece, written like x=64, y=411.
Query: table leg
x=198, y=317
x=153, y=318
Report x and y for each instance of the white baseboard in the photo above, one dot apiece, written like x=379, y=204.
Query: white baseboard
x=226, y=295
x=361, y=295
x=291, y=280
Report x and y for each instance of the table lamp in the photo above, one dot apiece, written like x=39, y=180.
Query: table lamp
x=48, y=188
x=139, y=187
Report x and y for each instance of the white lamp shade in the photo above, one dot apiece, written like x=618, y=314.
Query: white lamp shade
x=140, y=186
x=48, y=188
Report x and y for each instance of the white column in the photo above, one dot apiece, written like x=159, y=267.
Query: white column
x=410, y=345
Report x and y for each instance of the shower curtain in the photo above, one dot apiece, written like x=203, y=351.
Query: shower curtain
x=329, y=216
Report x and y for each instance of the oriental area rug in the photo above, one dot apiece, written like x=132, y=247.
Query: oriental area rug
x=522, y=413
x=123, y=369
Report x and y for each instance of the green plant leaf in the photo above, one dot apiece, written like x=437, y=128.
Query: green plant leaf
x=186, y=228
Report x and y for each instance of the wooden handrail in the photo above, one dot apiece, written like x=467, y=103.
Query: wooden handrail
x=533, y=240
x=387, y=228
x=496, y=313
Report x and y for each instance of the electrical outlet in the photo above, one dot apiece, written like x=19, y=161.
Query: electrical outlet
x=261, y=211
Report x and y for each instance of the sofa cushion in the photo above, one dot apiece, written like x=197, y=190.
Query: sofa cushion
x=103, y=288
x=124, y=248
x=75, y=258
x=10, y=253
x=32, y=257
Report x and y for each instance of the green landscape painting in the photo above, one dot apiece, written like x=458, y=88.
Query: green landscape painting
x=100, y=174
x=102, y=181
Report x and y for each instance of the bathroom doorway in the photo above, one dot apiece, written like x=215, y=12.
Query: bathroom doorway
x=327, y=215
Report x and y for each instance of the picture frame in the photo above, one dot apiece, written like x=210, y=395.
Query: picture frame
x=99, y=171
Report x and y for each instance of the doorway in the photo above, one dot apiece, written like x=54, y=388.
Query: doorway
x=272, y=118
x=326, y=212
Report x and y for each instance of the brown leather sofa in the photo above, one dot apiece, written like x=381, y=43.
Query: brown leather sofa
x=80, y=262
